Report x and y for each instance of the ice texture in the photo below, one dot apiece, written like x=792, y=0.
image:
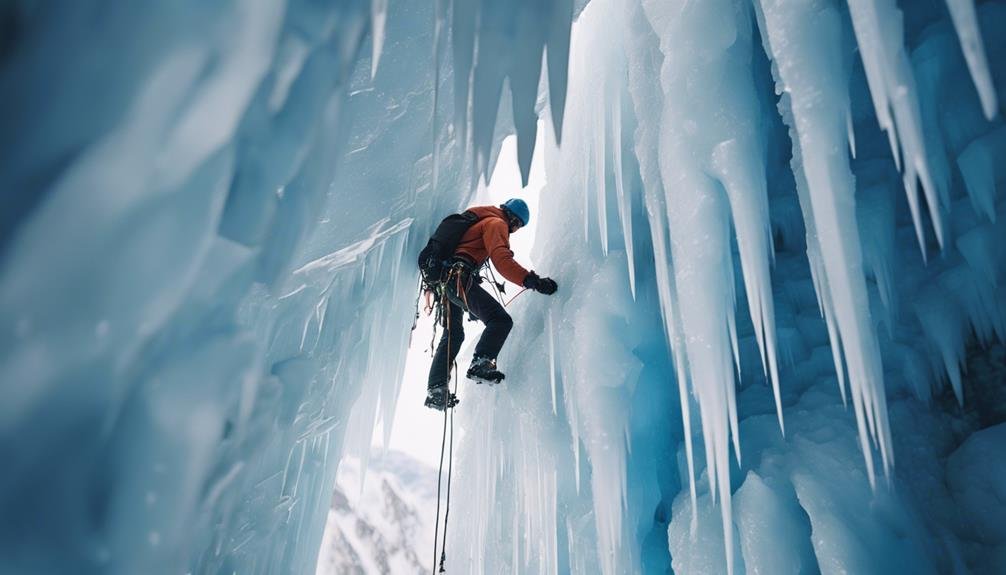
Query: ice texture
x=777, y=344
x=207, y=210
x=757, y=198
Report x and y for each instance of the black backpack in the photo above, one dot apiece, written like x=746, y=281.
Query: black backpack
x=440, y=248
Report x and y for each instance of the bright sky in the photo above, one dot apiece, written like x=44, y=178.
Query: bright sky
x=417, y=430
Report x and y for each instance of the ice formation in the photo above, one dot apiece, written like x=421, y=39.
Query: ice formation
x=777, y=345
x=752, y=172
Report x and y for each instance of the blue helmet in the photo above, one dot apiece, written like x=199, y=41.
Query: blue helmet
x=518, y=207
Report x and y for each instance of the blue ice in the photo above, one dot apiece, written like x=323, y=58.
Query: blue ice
x=777, y=345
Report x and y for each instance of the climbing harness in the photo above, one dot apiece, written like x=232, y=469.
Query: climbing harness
x=450, y=287
x=461, y=273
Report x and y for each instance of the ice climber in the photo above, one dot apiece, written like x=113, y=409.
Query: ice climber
x=487, y=237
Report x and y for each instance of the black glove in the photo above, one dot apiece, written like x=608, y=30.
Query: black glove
x=546, y=286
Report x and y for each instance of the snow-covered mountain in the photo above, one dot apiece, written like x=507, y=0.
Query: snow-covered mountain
x=387, y=527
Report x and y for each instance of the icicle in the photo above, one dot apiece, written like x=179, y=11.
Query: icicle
x=553, y=532
x=558, y=60
x=525, y=72
x=624, y=202
x=320, y=312
x=879, y=32
x=876, y=216
x=598, y=142
x=464, y=21
x=494, y=42
x=700, y=268
x=742, y=173
x=981, y=250
x=378, y=20
x=439, y=21
x=982, y=166
x=586, y=197
x=966, y=23
x=551, y=361
x=851, y=133
x=668, y=309
x=644, y=86
x=711, y=175
x=515, y=557
x=574, y=428
x=823, y=167
x=940, y=318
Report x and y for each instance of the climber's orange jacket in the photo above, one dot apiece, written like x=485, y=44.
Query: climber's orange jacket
x=490, y=238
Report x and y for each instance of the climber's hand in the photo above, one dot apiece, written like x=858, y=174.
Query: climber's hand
x=546, y=286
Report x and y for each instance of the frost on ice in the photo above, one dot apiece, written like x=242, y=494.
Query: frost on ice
x=777, y=345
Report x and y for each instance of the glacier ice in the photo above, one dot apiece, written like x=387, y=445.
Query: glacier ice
x=835, y=295
x=778, y=340
x=175, y=357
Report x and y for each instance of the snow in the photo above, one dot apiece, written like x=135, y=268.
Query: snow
x=770, y=351
x=381, y=525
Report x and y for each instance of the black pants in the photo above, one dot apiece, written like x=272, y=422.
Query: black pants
x=489, y=311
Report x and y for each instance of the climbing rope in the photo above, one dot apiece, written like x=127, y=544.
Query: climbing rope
x=446, y=305
x=440, y=472
x=443, y=309
x=515, y=297
x=461, y=289
x=415, y=320
x=498, y=287
x=450, y=468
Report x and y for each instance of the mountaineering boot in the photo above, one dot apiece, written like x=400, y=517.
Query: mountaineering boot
x=484, y=369
x=440, y=398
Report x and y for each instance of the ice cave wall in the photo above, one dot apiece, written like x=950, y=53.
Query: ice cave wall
x=208, y=214
x=192, y=294
x=791, y=192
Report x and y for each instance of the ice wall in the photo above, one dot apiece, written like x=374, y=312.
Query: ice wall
x=799, y=199
x=206, y=210
x=545, y=465
x=166, y=405
x=209, y=214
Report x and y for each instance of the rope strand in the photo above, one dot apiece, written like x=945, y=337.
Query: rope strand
x=496, y=285
x=515, y=297
x=450, y=467
x=445, y=304
x=440, y=472
x=499, y=294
